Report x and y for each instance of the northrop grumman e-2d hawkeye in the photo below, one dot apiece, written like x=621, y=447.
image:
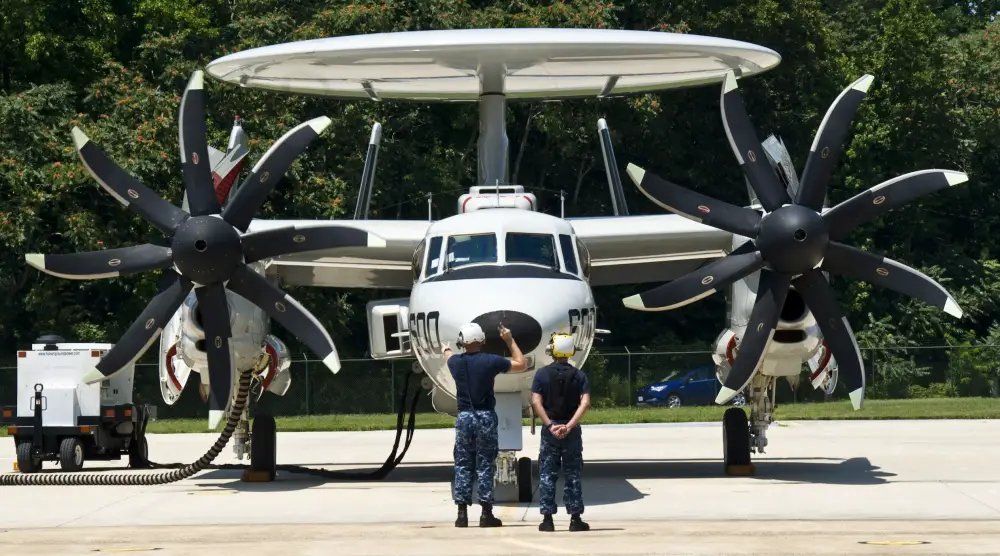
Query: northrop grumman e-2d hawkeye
x=499, y=259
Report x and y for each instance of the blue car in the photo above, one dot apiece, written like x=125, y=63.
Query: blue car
x=697, y=386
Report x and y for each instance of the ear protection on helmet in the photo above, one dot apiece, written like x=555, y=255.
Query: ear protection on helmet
x=560, y=345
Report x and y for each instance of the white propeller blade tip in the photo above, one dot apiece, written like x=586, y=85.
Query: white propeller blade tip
x=634, y=302
x=858, y=398
x=955, y=178
x=635, y=172
x=864, y=83
x=320, y=124
x=215, y=417
x=79, y=138
x=730, y=83
x=332, y=362
x=197, y=81
x=725, y=394
x=36, y=260
x=93, y=376
x=953, y=309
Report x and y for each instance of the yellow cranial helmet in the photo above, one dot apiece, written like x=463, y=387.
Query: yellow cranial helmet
x=561, y=345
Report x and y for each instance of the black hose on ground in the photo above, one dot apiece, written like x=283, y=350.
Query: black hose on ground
x=132, y=478
x=390, y=463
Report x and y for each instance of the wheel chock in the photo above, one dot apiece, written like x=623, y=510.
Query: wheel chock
x=252, y=476
x=16, y=468
x=748, y=470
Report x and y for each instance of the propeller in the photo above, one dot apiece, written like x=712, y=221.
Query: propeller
x=793, y=242
x=209, y=249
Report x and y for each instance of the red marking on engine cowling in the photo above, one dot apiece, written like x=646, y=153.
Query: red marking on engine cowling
x=170, y=367
x=729, y=349
x=823, y=363
x=272, y=366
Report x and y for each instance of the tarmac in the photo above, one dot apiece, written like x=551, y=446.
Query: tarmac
x=823, y=487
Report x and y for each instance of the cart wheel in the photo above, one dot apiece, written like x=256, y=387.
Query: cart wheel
x=138, y=453
x=26, y=462
x=71, y=454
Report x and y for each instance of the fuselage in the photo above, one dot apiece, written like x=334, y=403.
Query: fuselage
x=521, y=268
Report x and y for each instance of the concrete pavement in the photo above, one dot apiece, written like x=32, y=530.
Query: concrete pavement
x=823, y=487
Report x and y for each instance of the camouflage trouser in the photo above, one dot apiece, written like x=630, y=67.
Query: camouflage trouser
x=568, y=453
x=475, y=447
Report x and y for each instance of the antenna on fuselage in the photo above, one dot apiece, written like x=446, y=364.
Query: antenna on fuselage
x=368, y=175
x=611, y=169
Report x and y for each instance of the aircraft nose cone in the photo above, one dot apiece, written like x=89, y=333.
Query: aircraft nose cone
x=527, y=332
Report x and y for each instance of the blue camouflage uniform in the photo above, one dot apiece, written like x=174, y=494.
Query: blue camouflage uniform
x=476, y=444
x=567, y=452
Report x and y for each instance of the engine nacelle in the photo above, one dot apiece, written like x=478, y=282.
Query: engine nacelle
x=182, y=346
x=389, y=328
x=279, y=360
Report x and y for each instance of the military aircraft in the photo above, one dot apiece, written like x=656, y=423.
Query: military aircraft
x=499, y=259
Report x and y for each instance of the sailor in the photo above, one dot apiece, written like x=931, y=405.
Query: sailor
x=476, y=425
x=560, y=395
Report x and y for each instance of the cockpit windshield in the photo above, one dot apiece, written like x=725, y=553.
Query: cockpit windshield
x=531, y=248
x=471, y=249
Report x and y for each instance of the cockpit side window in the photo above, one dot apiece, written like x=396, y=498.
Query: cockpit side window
x=584, y=258
x=434, y=256
x=471, y=249
x=531, y=248
x=418, y=260
x=569, y=256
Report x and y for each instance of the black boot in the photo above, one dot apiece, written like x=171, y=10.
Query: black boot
x=487, y=519
x=577, y=524
x=463, y=516
x=546, y=524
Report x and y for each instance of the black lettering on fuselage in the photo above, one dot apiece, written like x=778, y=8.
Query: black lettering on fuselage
x=422, y=334
x=581, y=323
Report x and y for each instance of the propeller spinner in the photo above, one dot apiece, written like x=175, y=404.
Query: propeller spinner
x=209, y=248
x=792, y=243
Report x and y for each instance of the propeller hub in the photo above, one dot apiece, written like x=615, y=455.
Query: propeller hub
x=793, y=239
x=207, y=250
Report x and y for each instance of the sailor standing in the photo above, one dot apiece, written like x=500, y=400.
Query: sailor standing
x=560, y=395
x=476, y=443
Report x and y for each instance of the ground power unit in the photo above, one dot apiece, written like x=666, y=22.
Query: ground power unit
x=60, y=418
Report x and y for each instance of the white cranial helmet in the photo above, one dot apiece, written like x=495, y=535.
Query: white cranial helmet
x=471, y=332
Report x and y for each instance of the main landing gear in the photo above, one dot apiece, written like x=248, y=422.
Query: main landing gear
x=263, y=450
x=741, y=435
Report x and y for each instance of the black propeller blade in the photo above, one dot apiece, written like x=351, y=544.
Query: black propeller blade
x=268, y=171
x=108, y=263
x=207, y=252
x=793, y=243
x=702, y=282
x=214, y=310
x=194, y=149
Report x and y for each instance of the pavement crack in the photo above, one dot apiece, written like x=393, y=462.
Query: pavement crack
x=974, y=499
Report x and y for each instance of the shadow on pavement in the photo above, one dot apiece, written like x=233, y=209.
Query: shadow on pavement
x=605, y=481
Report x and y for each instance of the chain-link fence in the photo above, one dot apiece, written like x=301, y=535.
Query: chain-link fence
x=366, y=386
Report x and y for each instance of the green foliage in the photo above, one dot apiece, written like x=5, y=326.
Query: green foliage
x=116, y=68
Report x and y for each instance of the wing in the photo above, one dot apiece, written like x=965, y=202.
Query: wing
x=648, y=248
x=388, y=267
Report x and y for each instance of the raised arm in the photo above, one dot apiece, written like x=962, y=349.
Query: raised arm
x=517, y=363
x=446, y=351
